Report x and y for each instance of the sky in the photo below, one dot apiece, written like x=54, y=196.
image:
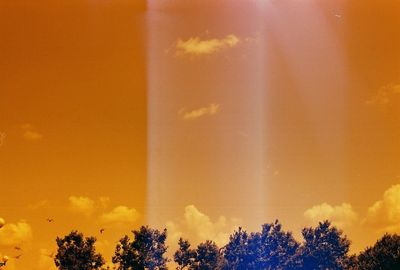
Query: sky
x=197, y=116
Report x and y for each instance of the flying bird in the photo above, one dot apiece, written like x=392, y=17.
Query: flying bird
x=17, y=248
x=102, y=230
x=18, y=256
x=49, y=220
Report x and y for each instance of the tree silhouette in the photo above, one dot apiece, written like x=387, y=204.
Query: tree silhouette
x=272, y=248
x=324, y=248
x=184, y=256
x=385, y=254
x=146, y=251
x=77, y=253
x=208, y=257
x=241, y=252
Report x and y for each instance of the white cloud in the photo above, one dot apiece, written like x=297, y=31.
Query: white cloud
x=81, y=205
x=120, y=215
x=14, y=234
x=211, y=109
x=340, y=215
x=39, y=205
x=385, y=95
x=30, y=133
x=384, y=215
x=2, y=137
x=196, y=46
x=198, y=227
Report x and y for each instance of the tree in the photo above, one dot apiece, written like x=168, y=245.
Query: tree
x=384, y=255
x=324, y=248
x=240, y=253
x=77, y=253
x=277, y=248
x=146, y=251
x=184, y=256
x=208, y=257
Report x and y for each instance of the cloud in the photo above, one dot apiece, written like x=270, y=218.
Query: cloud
x=196, y=46
x=14, y=234
x=120, y=215
x=81, y=205
x=340, y=215
x=198, y=227
x=2, y=137
x=39, y=205
x=211, y=109
x=103, y=202
x=384, y=215
x=385, y=95
x=30, y=133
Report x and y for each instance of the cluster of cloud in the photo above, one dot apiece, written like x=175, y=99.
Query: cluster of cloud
x=30, y=133
x=341, y=216
x=382, y=216
x=196, y=46
x=198, y=227
x=209, y=110
x=39, y=205
x=385, y=95
x=118, y=216
x=15, y=234
x=385, y=214
x=81, y=205
x=2, y=137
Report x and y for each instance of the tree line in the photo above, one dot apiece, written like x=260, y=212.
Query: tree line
x=324, y=247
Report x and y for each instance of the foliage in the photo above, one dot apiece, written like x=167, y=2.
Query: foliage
x=208, y=257
x=146, y=251
x=272, y=248
x=384, y=255
x=77, y=253
x=324, y=248
x=184, y=256
x=241, y=251
x=277, y=248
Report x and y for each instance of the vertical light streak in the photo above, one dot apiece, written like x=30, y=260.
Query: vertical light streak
x=216, y=163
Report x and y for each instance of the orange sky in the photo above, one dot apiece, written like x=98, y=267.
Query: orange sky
x=117, y=113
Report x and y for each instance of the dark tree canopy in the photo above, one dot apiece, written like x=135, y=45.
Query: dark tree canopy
x=272, y=248
x=208, y=257
x=277, y=248
x=146, y=251
x=384, y=255
x=241, y=251
x=77, y=253
x=324, y=248
x=184, y=256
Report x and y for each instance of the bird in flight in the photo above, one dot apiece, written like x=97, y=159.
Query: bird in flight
x=17, y=248
x=49, y=220
x=18, y=256
x=102, y=230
